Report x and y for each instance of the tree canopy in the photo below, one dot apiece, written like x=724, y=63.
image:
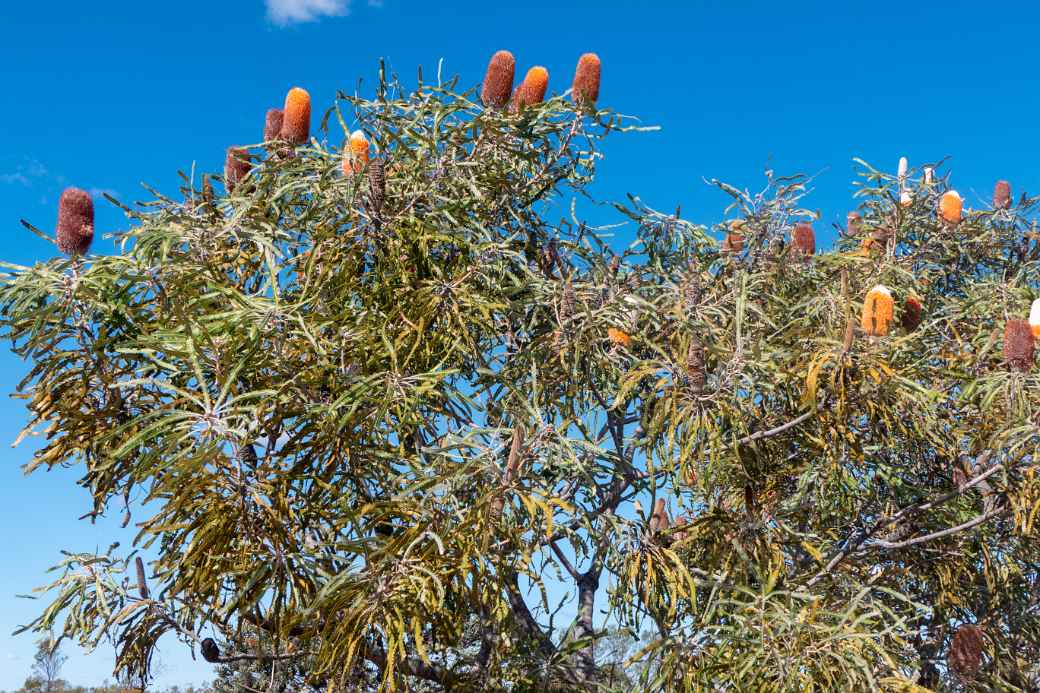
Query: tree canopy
x=374, y=410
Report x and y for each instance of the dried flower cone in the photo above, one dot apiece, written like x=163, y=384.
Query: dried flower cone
x=877, y=312
x=803, y=238
x=659, y=521
x=376, y=186
x=691, y=292
x=75, y=231
x=966, y=647
x=1018, y=345
x=356, y=157
x=585, y=90
x=950, y=206
x=142, y=584
x=912, y=313
x=1034, y=318
x=853, y=223
x=236, y=167
x=210, y=650
x=273, y=124
x=498, y=80
x=695, y=371
x=1002, y=195
x=296, y=118
x=532, y=89
x=568, y=302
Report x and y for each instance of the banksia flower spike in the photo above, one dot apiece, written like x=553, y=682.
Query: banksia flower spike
x=273, y=124
x=877, y=312
x=532, y=89
x=901, y=172
x=356, y=157
x=695, y=371
x=210, y=651
x=376, y=186
x=1018, y=345
x=803, y=238
x=236, y=167
x=296, y=118
x=659, y=520
x=585, y=89
x=950, y=206
x=928, y=179
x=498, y=80
x=1002, y=195
x=75, y=230
x=853, y=223
x=912, y=310
x=1034, y=318
x=966, y=646
x=619, y=337
x=734, y=240
x=905, y=198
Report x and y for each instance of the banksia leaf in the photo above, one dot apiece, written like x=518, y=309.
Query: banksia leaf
x=966, y=646
x=75, y=230
x=236, y=167
x=912, y=310
x=1002, y=195
x=142, y=584
x=210, y=651
x=498, y=80
x=659, y=521
x=532, y=89
x=1034, y=318
x=619, y=336
x=877, y=312
x=355, y=159
x=585, y=89
x=950, y=206
x=296, y=118
x=803, y=238
x=1018, y=344
x=273, y=124
x=376, y=186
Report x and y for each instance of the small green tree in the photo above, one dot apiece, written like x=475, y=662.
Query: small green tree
x=381, y=412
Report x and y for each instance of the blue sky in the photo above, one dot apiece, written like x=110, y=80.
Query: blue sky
x=105, y=95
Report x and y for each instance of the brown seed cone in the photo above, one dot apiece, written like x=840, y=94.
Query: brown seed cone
x=803, y=238
x=691, y=291
x=568, y=302
x=236, y=167
x=1002, y=195
x=585, y=89
x=695, y=367
x=498, y=80
x=296, y=118
x=1018, y=344
x=659, y=521
x=142, y=584
x=965, y=656
x=273, y=124
x=376, y=186
x=912, y=310
x=210, y=651
x=532, y=89
x=75, y=230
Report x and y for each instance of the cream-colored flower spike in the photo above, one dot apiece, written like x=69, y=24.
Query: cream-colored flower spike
x=1034, y=318
x=905, y=198
x=901, y=172
x=927, y=175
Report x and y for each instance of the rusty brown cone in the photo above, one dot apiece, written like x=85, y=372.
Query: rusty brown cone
x=498, y=80
x=912, y=313
x=585, y=89
x=803, y=238
x=966, y=647
x=1002, y=195
x=75, y=231
x=236, y=167
x=1018, y=344
x=273, y=124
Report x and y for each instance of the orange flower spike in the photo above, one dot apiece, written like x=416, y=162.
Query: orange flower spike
x=877, y=312
x=357, y=154
x=296, y=119
x=804, y=239
x=532, y=89
x=1019, y=344
x=498, y=80
x=75, y=231
x=618, y=336
x=1002, y=195
x=585, y=89
x=950, y=206
x=1034, y=318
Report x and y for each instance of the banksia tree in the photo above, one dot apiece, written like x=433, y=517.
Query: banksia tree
x=379, y=343
x=296, y=116
x=532, y=90
x=585, y=89
x=1002, y=195
x=1018, y=345
x=876, y=318
x=273, y=124
x=498, y=80
x=75, y=230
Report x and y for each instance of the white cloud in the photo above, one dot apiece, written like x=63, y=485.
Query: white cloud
x=283, y=12
x=25, y=173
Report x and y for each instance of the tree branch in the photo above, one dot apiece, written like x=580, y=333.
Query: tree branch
x=938, y=535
